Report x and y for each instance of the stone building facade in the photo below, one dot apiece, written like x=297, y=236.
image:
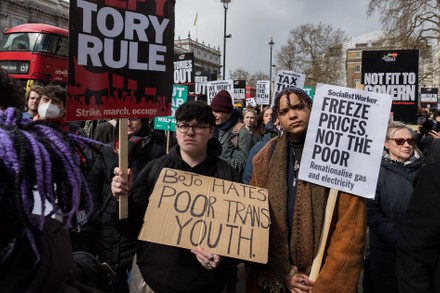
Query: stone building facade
x=15, y=12
x=206, y=58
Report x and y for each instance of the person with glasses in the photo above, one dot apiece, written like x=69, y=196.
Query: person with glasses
x=297, y=210
x=165, y=268
x=400, y=163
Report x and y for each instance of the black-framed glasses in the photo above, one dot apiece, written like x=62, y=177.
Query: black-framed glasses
x=401, y=141
x=197, y=128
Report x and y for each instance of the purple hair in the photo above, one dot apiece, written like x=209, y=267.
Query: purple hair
x=36, y=156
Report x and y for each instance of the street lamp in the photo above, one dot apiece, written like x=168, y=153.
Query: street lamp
x=271, y=43
x=225, y=36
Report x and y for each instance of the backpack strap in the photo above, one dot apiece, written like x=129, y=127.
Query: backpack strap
x=235, y=133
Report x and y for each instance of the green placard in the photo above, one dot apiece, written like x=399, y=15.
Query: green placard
x=310, y=91
x=180, y=94
x=165, y=123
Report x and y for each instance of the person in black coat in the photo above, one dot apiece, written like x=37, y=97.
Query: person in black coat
x=167, y=268
x=418, y=247
x=400, y=164
x=111, y=246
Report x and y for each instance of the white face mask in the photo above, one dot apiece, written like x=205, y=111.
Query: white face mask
x=48, y=111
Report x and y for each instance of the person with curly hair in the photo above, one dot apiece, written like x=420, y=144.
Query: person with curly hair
x=52, y=107
x=297, y=210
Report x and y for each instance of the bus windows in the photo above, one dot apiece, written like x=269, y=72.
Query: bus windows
x=46, y=43
x=62, y=48
x=18, y=42
x=36, y=52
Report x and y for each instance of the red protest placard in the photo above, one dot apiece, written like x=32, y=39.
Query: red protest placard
x=120, y=59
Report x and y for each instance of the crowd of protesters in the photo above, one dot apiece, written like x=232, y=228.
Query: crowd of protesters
x=54, y=170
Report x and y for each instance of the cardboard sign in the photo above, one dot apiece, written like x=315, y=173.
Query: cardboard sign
x=345, y=138
x=227, y=218
x=120, y=59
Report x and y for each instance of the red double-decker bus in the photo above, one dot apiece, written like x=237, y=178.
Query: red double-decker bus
x=35, y=53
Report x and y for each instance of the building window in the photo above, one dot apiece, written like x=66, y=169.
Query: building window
x=357, y=81
x=357, y=55
x=357, y=68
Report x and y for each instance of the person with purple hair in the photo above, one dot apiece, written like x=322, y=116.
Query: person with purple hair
x=41, y=164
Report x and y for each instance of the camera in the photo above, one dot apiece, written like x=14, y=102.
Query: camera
x=427, y=124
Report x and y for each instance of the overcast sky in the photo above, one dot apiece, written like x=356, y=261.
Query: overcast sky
x=253, y=22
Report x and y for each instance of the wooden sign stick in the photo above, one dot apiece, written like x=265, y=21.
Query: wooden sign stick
x=329, y=210
x=168, y=142
x=123, y=165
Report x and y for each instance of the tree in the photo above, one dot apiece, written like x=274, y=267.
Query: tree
x=252, y=81
x=239, y=73
x=411, y=24
x=251, y=78
x=408, y=20
x=316, y=51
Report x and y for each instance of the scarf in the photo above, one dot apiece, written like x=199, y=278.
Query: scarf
x=307, y=224
x=235, y=117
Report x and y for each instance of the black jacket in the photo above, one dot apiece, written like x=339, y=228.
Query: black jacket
x=418, y=247
x=111, y=246
x=172, y=269
x=385, y=216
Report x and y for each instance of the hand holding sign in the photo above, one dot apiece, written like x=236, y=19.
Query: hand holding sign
x=346, y=130
x=121, y=186
x=188, y=210
x=208, y=260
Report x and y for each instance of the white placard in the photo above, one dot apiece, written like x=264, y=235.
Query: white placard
x=263, y=92
x=286, y=79
x=345, y=139
x=217, y=85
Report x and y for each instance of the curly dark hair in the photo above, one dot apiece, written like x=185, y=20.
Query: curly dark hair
x=55, y=92
x=11, y=92
x=302, y=95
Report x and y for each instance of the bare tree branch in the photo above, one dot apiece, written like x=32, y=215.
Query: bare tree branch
x=316, y=51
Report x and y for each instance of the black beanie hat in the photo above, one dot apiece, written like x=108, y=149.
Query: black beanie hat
x=222, y=102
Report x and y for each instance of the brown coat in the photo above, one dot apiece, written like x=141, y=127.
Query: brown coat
x=343, y=257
